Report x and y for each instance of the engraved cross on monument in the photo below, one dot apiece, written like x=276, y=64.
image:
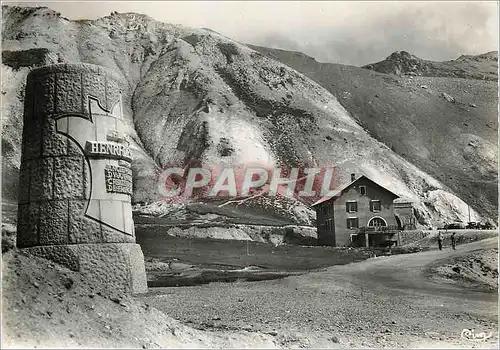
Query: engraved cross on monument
x=102, y=139
x=76, y=179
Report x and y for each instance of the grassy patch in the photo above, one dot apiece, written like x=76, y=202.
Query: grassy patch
x=216, y=253
x=205, y=260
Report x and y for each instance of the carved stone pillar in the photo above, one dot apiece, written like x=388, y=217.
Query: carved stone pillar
x=75, y=179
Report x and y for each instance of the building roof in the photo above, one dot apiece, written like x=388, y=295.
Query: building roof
x=341, y=189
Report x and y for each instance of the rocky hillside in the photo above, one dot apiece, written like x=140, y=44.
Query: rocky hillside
x=196, y=97
x=482, y=67
x=446, y=126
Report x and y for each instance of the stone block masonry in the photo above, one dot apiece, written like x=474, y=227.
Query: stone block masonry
x=75, y=179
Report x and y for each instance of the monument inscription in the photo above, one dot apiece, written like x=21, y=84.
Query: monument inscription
x=118, y=179
x=104, y=149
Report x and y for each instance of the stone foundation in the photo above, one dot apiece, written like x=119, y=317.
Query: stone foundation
x=113, y=268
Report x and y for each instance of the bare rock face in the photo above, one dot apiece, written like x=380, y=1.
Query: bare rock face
x=398, y=63
x=483, y=67
x=195, y=97
x=28, y=58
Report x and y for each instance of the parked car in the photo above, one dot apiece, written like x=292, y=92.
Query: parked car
x=473, y=225
x=454, y=226
x=487, y=226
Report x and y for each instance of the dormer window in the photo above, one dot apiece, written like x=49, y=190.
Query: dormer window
x=362, y=190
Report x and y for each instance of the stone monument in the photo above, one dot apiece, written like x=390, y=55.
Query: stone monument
x=75, y=178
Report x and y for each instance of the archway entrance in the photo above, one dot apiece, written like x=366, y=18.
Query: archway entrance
x=398, y=222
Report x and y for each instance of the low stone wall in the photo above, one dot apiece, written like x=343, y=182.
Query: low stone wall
x=300, y=235
x=410, y=236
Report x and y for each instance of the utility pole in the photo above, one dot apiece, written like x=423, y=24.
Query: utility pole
x=468, y=208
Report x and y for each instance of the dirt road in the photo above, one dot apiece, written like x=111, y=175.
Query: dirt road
x=410, y=273
x=381, y=302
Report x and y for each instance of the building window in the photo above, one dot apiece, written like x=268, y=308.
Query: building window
x=375, y=205
x=351, y=207
x=362, y=190
x=352, y=223
x=377, y=222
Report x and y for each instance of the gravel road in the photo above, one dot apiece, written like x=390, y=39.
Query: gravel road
x=380, y=302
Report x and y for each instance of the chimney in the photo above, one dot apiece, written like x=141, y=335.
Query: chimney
x=353, y=177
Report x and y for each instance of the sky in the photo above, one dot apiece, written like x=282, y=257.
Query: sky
x=355, y=33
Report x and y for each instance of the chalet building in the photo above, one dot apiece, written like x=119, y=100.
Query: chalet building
x=362, y=213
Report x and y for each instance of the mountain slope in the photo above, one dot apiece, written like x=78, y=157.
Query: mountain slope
x=483, y=67
x=445, y=126
x=195, y=97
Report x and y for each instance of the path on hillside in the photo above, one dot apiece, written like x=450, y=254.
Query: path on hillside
x=384, y=301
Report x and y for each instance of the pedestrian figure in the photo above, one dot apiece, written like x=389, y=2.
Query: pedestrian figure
x=453, y=241
x=440, y=240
